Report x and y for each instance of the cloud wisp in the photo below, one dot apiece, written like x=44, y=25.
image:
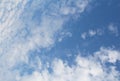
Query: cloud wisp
x=92, y=33
x=113, y=29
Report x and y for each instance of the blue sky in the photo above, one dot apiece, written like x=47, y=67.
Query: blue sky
x=59, y=40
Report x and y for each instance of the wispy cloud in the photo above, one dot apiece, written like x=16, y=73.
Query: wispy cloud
x=113, y=29
x=63, y=35
x=32, y=25
x=85, y=68
x=92, y=33
x=29, y=25
x=84, y=35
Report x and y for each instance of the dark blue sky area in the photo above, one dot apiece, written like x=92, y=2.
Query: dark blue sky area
x=99, y=15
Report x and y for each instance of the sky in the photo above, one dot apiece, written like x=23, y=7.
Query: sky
x=59, y=40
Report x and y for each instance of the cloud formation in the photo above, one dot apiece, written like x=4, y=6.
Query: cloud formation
x=63, y=35
x=30, y=25
x=113, y=29
x=92, y=33
x=90, y=68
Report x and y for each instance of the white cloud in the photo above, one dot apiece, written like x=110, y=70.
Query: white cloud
x=92, y=33
x=22, y=32
x=108, y=55
x=63, y=35
x=16, y=40
x=83, y=35
x=86, y=69
x=113, y=29
x=8, y=17
x=79, y=7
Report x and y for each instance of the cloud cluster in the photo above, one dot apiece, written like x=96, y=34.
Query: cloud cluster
x=28, y=25
x=90, y=68
x=92, y=33
x=111, y=29
x=31, y=25
x=63, y=35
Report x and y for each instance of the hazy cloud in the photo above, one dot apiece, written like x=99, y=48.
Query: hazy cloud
x=92, y=33
x=113, y=29
x=29, y=25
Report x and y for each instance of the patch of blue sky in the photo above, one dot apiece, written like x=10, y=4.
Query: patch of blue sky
x=98, y=18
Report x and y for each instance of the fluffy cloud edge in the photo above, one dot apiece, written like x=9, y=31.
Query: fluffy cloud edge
x=90, y=68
